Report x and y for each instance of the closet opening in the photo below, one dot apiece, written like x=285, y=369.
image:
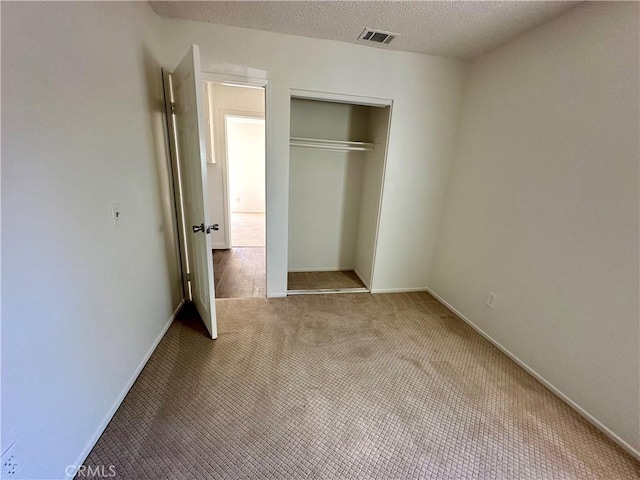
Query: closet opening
x=337, y=163
x=236, y=169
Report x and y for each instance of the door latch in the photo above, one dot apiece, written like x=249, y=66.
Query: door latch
x=201, y=228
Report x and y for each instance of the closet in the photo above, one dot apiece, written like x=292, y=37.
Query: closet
x=337, y=162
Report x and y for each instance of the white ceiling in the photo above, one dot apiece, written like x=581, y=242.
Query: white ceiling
x=462, y=29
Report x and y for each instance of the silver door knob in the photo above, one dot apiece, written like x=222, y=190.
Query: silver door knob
x=198, y=228
x=215, y=227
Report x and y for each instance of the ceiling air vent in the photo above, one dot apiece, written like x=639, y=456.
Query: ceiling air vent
x=370, y=35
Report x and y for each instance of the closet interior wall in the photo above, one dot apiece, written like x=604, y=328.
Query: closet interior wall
x=335, y=193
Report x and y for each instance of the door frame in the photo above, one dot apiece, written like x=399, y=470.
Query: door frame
x=241, y=81
x=176, y=182
x=224, y=165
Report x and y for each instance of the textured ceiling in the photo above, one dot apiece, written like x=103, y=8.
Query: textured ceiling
x=463, y=29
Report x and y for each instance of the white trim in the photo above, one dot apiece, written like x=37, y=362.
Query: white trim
x=235, y=79
x=219, y=246
x=399, y=290
x=556, y=391
x=340, y=98
x=123, y=393
x=320, y=269
x=269, y=217
x=211, y=157
x=276, y=295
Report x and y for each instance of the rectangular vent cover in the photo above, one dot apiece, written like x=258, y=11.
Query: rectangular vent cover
x=371, y=35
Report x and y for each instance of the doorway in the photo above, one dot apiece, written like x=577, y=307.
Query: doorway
x=236, y=171
x=245, y=158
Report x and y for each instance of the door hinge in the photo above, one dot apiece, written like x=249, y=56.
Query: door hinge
x=172, y=108
x=188, y=277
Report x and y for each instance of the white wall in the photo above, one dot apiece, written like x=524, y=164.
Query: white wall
x=328, y=120
x=82, y=302
x=542, y=207
x=426, y=93
x=324, y=187
x=224, y=99
x=323, y=213
x=246, y=157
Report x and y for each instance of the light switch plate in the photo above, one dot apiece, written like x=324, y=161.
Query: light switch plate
x=116, y=214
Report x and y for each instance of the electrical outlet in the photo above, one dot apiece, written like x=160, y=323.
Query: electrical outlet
x=10, y=465
x=116, y=214
x=491, y=300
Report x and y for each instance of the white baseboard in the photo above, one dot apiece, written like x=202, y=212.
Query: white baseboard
x=219, y=246
x=556, y=391
x=123, y=393
x=399, y=290
x=277, y=295
x=365, y=283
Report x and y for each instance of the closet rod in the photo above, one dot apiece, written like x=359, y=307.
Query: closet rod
x=323, y=144
x=323, y=140
x=331, y=147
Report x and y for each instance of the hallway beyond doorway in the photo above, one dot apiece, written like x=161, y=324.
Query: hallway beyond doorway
x=247, y=229
x=240, y=272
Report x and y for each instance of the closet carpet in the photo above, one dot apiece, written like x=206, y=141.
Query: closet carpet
x=361, y=386
x=323, y=280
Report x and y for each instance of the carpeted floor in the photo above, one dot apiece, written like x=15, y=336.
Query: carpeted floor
x=323, y=280
x=345, y=387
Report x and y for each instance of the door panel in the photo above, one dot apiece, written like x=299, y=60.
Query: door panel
x=188, y=94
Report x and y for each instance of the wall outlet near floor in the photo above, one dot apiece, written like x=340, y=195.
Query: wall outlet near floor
x=491, y=300
x=10, y=465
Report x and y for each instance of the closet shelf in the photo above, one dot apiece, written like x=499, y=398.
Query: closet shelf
x=336, y=145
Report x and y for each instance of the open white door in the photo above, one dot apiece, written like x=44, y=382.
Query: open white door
x=187, y=86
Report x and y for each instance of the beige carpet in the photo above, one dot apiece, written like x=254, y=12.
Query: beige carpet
x=323, y=280
x=248, y=229
x=345, y=387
